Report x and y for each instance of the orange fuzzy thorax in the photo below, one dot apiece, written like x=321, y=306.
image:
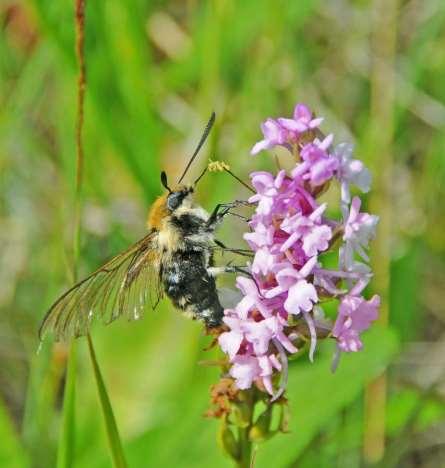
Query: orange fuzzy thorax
x=158, y=212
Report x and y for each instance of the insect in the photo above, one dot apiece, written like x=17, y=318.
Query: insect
x=175, y=258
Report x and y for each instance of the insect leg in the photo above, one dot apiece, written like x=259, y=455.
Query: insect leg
x=222, y=209
x=237, y=215
x=224, y=248
x=217, y=215
x=215, y=271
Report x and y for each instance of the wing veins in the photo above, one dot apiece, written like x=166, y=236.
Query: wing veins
x=70, y=314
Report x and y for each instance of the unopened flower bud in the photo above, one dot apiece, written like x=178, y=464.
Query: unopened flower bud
x=228, y=441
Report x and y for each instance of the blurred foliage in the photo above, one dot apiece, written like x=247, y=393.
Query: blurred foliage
x=155, y=71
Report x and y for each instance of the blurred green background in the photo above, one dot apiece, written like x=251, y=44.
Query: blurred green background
x=374, y=69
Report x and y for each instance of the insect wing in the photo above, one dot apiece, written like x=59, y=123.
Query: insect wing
x=121, y=287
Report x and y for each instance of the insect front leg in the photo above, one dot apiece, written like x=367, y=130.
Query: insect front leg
x=221, y=210
x=215, y=271
x=223, y=248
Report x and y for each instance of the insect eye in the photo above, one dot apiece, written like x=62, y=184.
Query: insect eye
x=174, y=200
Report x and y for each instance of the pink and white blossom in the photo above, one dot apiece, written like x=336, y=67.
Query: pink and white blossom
x=355, y=315
x=289, y=234
x=274, y=135
x=350, y=171
x=301, y=122
x=359, y=229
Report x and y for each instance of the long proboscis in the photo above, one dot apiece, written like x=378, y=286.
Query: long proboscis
x=201, y=142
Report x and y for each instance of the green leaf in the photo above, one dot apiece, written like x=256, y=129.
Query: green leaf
x=316, y=395
x=114, y=440
x=41, y=399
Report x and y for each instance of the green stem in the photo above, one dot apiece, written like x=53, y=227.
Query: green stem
x=67, y=440
x=65, y=452
x=245, y=446
x=244, y=442
x=66, y=448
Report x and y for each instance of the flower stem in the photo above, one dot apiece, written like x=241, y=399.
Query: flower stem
x=244, y=442
x=245, y=446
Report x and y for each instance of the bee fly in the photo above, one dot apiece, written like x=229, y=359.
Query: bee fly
x=175, y=258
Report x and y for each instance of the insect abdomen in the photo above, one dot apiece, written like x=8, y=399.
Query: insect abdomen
x=190, y=288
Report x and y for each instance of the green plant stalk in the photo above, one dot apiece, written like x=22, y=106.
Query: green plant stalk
x=110, y=422
x=245, y=446
x=67, y=444
x=385, y=14
x=244, y=442
x=66, y=448
x=114, y=440
x=65, y=452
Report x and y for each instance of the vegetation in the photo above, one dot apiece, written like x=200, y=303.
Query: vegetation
x=155, y=71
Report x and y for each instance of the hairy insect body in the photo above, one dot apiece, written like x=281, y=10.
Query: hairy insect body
x=190, y=288
x=173, y=259
x=186, y=258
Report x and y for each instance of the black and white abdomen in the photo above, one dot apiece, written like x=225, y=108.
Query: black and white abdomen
x=189, y=286
x=187, y=241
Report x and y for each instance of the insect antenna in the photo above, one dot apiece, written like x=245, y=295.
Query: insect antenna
x=201, y=176
x=164, y=181
x=201, y=142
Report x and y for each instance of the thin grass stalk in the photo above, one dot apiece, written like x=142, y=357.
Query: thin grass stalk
x=67, y=442
x=81, y=87
x=383, y=48
x=110, y=421
x=66, y=447
x=107, y=410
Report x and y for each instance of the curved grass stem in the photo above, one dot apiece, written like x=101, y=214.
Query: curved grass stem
x=66, y=449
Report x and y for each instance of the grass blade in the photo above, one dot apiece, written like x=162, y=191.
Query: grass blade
x=11, y=450
x=65, y=453
x=114, y=440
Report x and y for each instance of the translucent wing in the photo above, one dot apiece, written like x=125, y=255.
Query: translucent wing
x=122, y=287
